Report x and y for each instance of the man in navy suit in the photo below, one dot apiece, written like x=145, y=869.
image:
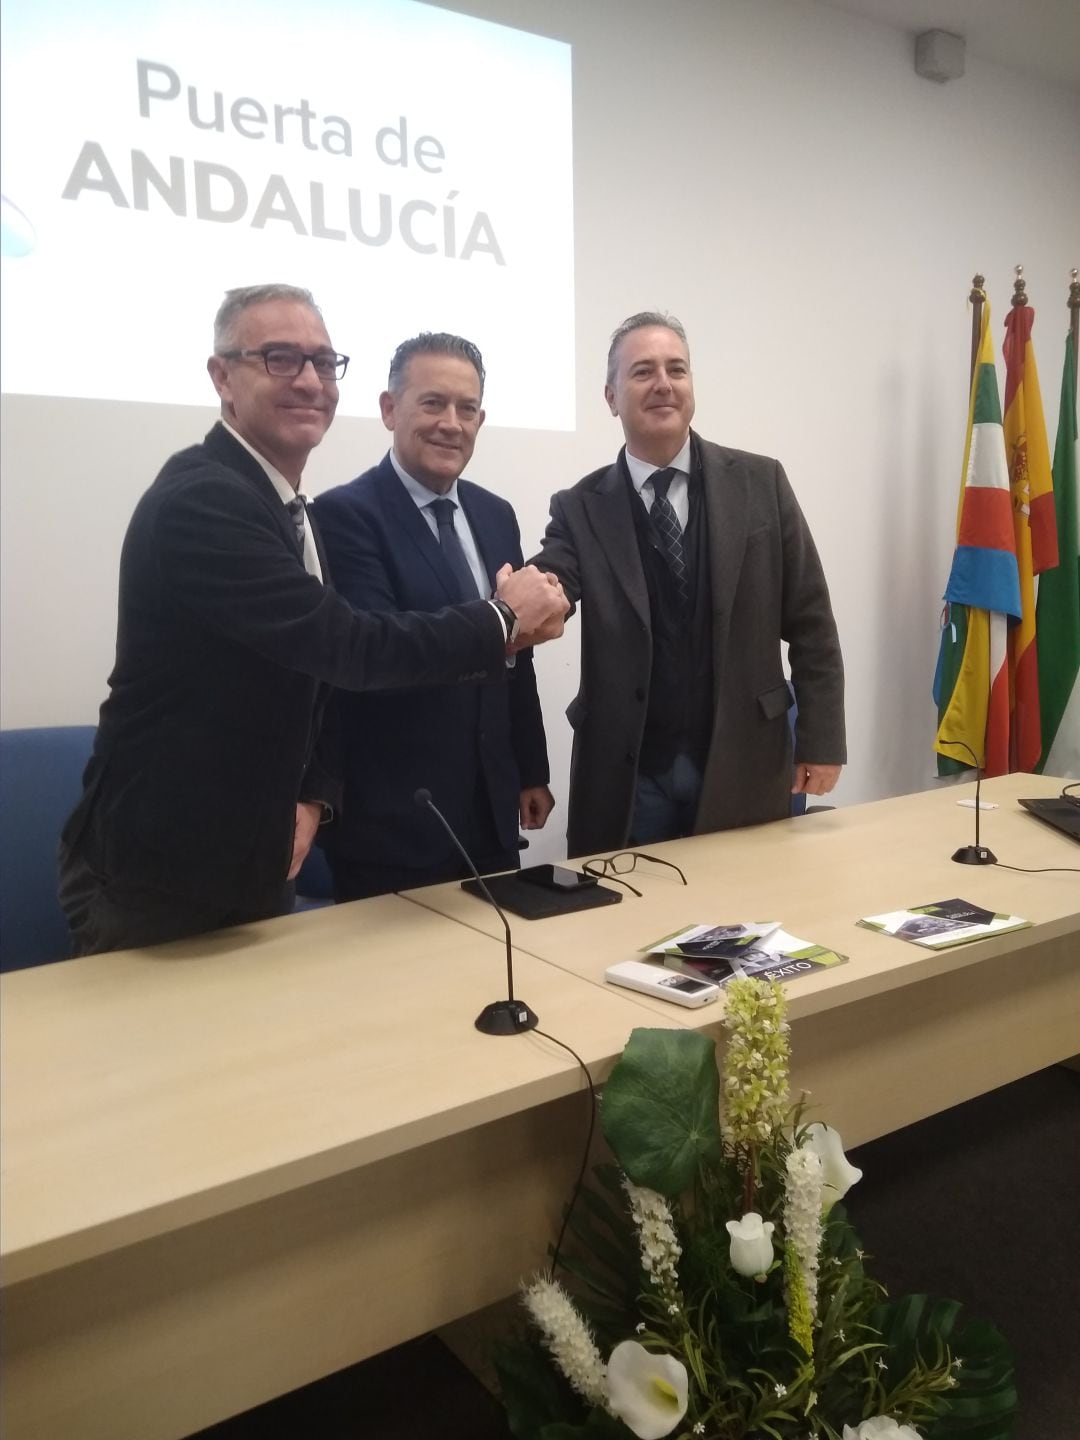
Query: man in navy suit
x=411, y=534
x=209, y=775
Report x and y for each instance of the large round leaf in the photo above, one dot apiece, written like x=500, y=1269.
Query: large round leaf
x=661, y=1108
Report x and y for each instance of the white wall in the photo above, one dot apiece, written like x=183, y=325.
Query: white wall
x=774, y=173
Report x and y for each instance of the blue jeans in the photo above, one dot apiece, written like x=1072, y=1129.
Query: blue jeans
x=665, y=805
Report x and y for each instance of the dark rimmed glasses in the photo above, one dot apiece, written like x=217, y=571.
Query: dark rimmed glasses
x=623, y=863
x=288, y=360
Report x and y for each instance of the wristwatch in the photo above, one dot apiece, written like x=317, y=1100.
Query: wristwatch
x=510, y=619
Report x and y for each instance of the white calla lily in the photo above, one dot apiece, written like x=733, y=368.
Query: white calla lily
x=837, y=1174
x=647, y=1392
x=882, y=1427
x=751, y=1248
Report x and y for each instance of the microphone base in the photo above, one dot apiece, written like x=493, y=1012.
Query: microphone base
x=506, y=1017
x=975, y=855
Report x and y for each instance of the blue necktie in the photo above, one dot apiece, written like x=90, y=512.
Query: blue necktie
x=669, y=530
x=443, y=509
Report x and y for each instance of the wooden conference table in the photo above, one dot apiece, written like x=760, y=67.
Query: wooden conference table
x=899, y=1032
x=235, y=1164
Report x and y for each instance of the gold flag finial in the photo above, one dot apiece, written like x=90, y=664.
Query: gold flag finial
x=1019, y=292
x=1074, y=290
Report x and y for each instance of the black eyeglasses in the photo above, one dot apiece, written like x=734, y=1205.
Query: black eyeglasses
x=287, y=360
x=622, y=864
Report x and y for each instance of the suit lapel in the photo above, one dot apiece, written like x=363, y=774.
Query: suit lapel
x=413, y=529
x=472, y=505
x=324, y=561
x=222, y=447
x=724, y=483
x=608, y=511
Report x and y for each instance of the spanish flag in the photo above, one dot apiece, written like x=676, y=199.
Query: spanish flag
x=1035, y=527
x=971, y=686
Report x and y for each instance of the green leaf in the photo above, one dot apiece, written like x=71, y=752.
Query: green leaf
x=618, y=1254
x=598, y=1426
x=982, y=1404
x=597, y=1283
x=532, y=1391
x=661, y=1109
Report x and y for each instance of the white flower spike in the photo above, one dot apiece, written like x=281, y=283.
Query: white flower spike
x=837, y=1174
x=647, y=1392
x=568, y=1337
x=751, y=1248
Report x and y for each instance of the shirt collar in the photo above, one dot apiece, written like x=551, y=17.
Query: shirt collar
x=284, y=488
x=640, y=470
x=420, y=494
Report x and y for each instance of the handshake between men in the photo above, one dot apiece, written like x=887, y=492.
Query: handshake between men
x=539, y=602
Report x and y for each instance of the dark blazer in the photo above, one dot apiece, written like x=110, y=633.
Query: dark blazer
x=210, y=734
x=767, y=587
x=383, y=556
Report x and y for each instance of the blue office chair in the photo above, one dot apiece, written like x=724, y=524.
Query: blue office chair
x=40, y=783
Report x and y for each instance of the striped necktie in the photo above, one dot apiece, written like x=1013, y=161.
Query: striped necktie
x=667, y=526
x=295, y=507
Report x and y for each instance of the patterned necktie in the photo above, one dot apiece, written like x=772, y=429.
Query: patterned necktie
x=295, y=507
x=669, y=530
x=443, y=509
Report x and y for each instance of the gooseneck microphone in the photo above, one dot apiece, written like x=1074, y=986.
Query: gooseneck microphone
x=972, y=854
x=501, y=1017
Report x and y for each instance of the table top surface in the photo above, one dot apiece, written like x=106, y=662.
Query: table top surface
x=143, y=1090
x=818, y=874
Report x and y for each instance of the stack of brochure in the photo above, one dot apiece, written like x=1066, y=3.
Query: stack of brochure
x=947, y=922
x=721, y=952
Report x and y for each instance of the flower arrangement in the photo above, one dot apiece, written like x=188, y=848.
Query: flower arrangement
x=718, y=1289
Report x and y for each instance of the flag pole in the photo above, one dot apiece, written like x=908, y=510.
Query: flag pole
x=1019, y=292
x=978, y=300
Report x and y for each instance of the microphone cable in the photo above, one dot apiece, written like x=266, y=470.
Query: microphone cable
x=556, y=1253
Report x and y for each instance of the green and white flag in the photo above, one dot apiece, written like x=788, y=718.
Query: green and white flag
x=1058, y=608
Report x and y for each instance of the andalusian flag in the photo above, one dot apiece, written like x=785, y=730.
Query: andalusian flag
x=1058, y=610
x=1032, y=488
x=971, y=685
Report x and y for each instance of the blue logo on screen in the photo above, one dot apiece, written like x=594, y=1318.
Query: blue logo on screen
x=17, y=236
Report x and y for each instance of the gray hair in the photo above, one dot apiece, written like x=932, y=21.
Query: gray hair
x=428, y=343
x=239, y=300
x=638, y=322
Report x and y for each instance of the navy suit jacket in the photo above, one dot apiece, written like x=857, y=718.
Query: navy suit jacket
x=384, y=556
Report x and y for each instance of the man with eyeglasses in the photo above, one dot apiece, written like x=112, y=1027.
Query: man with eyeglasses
x=210, y=774
x=413, y=534
x=692, y=564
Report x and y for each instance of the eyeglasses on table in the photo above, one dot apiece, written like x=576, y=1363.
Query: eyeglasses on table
x=624, y=862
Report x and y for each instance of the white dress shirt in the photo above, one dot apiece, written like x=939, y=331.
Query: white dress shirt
x=641, y=472
x=287, y=493
x=422, y=498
